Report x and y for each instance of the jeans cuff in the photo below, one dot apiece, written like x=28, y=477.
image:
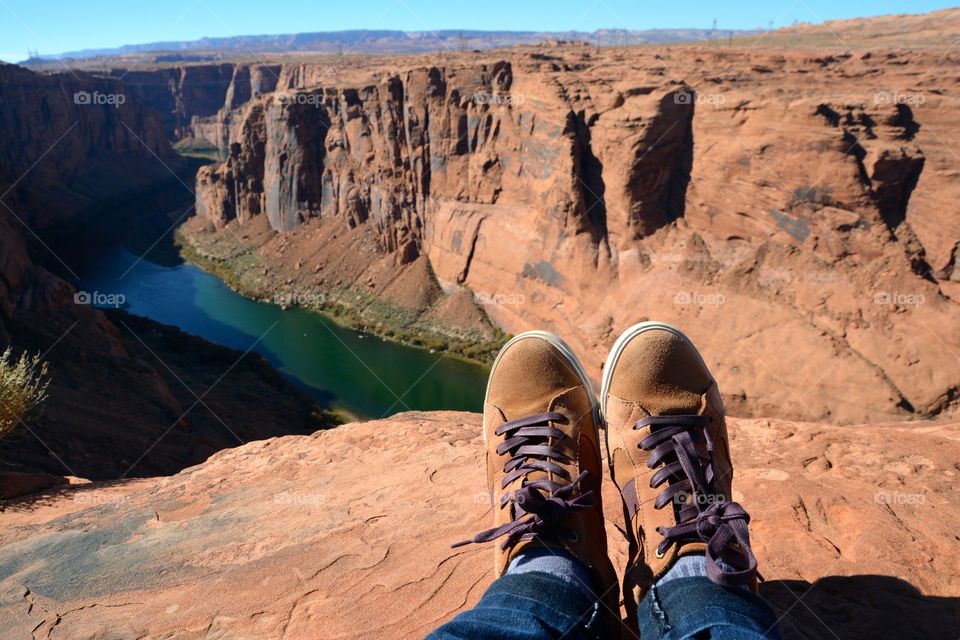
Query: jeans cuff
x=556, y=602
x=684, y=607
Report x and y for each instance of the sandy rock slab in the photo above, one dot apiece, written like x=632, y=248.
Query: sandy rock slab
x=346, y=534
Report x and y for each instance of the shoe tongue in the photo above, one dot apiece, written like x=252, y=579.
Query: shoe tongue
x=525, y=408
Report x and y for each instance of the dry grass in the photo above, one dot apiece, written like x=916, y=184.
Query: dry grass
x=23, y=387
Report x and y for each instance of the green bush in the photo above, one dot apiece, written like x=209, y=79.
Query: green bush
x=23, y=387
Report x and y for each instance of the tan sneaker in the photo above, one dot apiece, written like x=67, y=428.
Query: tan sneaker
x=669, y=456
x=544, y=467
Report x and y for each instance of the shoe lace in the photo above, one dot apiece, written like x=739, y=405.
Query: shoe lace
x=541, y=506
x=704, y=515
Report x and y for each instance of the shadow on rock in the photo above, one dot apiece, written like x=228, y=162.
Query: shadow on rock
x=865, y=606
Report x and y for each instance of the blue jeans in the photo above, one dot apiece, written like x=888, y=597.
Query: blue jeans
x=536, y=606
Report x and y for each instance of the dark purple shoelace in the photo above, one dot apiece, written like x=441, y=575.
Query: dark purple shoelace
x=540, y=506
x=704, y=515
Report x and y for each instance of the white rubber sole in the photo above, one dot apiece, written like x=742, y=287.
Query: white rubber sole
x=560, y=346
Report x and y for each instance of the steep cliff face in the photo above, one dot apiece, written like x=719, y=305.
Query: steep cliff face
x=779, y=206
x=14, y=264
x=195, y=101
x=71, y=140
x=393, y=153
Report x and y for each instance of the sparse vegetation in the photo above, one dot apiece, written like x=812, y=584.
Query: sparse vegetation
x=23, y=387
x=193, y=148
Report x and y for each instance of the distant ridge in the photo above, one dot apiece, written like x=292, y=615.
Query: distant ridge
x=388, y=41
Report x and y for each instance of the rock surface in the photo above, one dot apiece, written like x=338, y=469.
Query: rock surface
x=792, y=210
x=346, y=533
x=933, y=30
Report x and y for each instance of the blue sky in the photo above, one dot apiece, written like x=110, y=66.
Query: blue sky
x=55, y=26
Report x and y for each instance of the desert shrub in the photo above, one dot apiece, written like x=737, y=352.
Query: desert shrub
x=23, y=387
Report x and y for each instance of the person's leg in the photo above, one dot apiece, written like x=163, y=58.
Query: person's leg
x=540, y=428
x=542, y=595
x=691, y=571
x=690, y=605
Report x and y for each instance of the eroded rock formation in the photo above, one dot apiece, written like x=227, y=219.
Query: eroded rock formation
x=193, y=100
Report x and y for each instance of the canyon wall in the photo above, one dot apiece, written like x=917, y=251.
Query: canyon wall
x=194, y=101
x=71, y=140
x=789, y=210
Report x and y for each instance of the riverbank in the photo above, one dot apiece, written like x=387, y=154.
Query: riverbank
x=421, y=316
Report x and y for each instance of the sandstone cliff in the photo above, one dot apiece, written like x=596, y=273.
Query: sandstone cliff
x=346, y=534
x=63, y=152
x=193, y=101
x=72, y=140
x=790, y=210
